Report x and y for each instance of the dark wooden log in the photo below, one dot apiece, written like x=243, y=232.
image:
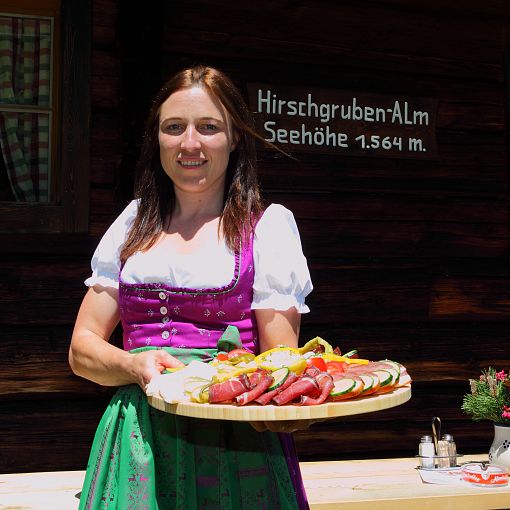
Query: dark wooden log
x=103, y=170
x=104, y=23
x=415, y=49
x=475, y=168
x=434, y=351
x=48, y=435
x=35, y=365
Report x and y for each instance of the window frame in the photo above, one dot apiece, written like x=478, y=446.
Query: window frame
x=68, y=209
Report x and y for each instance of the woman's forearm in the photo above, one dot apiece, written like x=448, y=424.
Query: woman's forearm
x=97, y=360
x=90, y=354
x=278, y=327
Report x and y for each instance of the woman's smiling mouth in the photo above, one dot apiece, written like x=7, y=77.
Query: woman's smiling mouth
x=192, y=163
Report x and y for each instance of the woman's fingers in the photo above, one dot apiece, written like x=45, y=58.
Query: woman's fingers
x=169, y=361
x=286, y=426
x=259, y=426
x=145, y=365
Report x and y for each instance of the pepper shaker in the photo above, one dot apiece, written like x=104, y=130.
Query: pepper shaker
x=452, y=449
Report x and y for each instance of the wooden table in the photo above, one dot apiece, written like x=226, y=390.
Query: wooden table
x=390, y=484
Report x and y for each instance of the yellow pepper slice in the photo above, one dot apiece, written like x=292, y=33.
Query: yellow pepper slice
x=226, y=371
x=329, y=356
x=281, y=357
x=315, y=342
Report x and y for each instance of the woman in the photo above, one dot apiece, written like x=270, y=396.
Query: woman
x=193, y=254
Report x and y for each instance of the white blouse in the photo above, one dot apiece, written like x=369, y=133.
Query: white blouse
x=282, y=279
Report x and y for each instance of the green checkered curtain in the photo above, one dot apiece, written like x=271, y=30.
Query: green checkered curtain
x=25, y=72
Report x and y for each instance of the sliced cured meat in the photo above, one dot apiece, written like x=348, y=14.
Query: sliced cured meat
x=229, y=389
x=405, y=379
x=312, y=371
x=341, y=375
x=303, y=386
x=371, y=366
x=255, y=378
x=265, y=381
x=325, y=383
x=266, y=397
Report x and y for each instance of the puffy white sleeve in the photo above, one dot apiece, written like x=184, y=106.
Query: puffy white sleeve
x=282, y=279
x=106, y=259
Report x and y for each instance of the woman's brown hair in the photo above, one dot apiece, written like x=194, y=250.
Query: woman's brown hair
x=154, y=190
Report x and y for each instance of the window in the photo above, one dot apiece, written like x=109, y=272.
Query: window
x=26, y=106
x=44, y=112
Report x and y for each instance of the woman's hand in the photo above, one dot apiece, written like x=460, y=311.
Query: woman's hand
x=145, y=365
x=284, y=426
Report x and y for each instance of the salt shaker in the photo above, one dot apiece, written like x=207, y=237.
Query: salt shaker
x=452, y=449
x=426, y=452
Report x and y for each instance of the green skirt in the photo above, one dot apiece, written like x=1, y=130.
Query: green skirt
x=143, y=458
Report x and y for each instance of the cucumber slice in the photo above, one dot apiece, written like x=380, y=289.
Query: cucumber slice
x=394, y=373
x=351, y=354
x=385, y=377
x=342, y=386
x=368, y=381
x=394, y=364
x=358, y=386
x=279, y=377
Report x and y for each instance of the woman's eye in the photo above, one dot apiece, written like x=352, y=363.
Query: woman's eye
x=209, y=128
x=173, y=128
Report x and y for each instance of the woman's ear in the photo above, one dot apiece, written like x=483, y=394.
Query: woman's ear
x=235, y=140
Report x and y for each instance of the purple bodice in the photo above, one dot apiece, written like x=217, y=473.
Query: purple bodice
x=158, y=315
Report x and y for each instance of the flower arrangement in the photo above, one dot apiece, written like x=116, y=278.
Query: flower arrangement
x=489, y=398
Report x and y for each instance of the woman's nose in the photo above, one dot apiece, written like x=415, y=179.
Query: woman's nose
x=191, y=139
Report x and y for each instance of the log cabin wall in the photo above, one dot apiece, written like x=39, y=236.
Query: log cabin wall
x=409, y=258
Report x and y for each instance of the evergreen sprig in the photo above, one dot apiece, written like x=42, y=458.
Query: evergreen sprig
x=489, y=398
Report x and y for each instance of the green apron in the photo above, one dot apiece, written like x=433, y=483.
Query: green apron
x=146, y=459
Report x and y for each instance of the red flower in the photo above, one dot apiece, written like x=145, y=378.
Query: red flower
x=500, y=376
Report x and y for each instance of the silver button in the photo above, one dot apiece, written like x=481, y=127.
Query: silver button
x=165, y=335
x=163, y=310
x=162, y=295
x=165, y=319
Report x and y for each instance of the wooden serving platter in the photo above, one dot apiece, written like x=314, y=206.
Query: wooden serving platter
x=256, y=412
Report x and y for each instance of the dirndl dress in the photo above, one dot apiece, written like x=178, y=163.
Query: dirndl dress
x=146, y=459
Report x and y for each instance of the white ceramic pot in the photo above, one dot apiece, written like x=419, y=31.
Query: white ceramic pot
x=499, y=453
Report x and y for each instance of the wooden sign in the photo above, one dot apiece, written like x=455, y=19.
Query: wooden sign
x=345, y=123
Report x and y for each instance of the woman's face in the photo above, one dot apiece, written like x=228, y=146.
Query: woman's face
x=195, y=141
